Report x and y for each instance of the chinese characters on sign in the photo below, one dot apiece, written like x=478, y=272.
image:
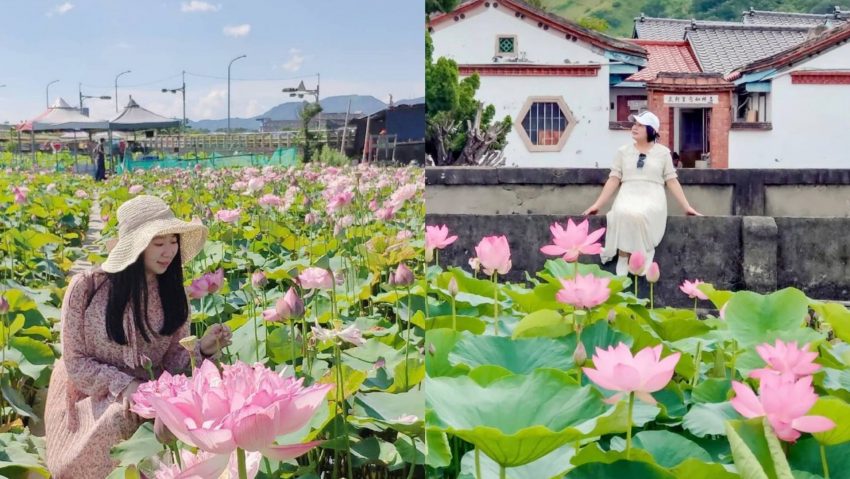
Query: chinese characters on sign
x=690, y=99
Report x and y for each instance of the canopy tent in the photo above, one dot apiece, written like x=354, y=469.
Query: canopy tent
x=135, y=118
x=62, y=117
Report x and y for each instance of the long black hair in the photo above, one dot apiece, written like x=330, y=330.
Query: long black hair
x=130, y=288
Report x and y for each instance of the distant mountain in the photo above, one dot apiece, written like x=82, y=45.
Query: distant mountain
x=411, y=101
x=360, y=104
x=332, y=104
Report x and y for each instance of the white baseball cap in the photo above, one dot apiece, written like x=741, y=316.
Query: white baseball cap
x=647, y=118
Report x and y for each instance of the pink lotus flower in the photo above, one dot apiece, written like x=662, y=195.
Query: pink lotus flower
x=350, y=334
x=784, y=402
x=20, y=194
x=404, y=235
x=206, y=464
x=228, y=216
x=244, y=407
x=167, y=386
x=269, y=200
x=340, y=200
x=290, y=305
x=258, y=280
x=436, y=237
x=51, y=189
x=271, y=315
x=81, y=194
x=136, y=189
x=4, y=305
x=209, y=283
x=637, y=262
x=311, y=219
x=494, y=255
x=255, y=185
x=691, y=289
x=573, y=241
x=316, y=278
x=215, y=280
x=385, y=214
x=786, y=359
x=653, y=273
x=402, y=276
x=584, y=291
x=403, y=194
x=644, y=373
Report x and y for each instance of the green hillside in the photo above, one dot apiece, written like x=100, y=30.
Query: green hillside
x=619, y=14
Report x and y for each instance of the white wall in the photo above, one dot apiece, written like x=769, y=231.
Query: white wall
x=472, y=41
x=810, y=122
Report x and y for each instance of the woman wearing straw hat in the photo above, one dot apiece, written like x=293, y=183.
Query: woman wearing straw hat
x=638, y=217
x=114, y=323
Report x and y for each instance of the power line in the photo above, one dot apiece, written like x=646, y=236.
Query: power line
x=297, y=77
x=135, y=85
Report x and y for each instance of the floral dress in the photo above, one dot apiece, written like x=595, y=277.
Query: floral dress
x=86, y=413
x=638, y=217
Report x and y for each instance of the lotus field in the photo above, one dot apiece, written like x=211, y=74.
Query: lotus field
x=318, y=272
x=571, y=374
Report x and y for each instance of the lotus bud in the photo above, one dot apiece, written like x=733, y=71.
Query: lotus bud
x=580, y=354
x=453, y=288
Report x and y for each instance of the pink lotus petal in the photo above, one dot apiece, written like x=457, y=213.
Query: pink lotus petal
x=286, y=453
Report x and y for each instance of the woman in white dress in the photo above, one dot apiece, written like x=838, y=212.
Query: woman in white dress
x=638, y=217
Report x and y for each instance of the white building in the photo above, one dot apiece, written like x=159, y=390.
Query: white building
x=551, y=76
x=804, y=98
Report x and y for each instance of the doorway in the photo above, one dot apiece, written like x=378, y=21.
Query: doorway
x=693, y=138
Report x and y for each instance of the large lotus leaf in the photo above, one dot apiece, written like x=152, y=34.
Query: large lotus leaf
x=754, y=318
x=550, y=466
x=756, y=450
x=712, y=390
x=521, y=356
x=545, y=323
x=438, y=344
x=392, y=410
x=839, y=412
x=804, y=455
x=544, y=410
x=619, y=470
x=675, y=324
x=837, y=316
x=142, y=445
x=439, y=449
x=665, y=450
x=709, y=419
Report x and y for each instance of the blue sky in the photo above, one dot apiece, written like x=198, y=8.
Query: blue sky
x=366, y=47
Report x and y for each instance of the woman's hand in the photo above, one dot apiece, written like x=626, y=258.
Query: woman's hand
x=690, y=211
x=163, y=435
x=591, y=211
x=217, y=337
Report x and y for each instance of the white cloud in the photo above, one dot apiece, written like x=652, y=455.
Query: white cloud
x=237, y=31
x=295, y=60
x=198, y=6
x=60, y=9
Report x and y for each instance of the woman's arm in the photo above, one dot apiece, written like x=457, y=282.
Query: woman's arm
x=679, y=194
x=607, y=192
x=89, y=375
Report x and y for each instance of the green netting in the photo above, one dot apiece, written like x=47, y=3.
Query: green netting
x=281, y=157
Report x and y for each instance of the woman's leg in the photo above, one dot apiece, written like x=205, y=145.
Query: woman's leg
x=622, y=263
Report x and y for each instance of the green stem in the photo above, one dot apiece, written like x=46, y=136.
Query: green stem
x=824, y=462
x=454, y=314
x=629, y=430
x=695, y=307
x=651, y=295
x=427, y=312
x=495, y=305
x=292, y=328
x=413, y=466
x=697, y=360
x=407, y=344
x=240, y=461
x=502, y=472
x=256, y=337
x=175, y=451
x=478, y=464
x=636, y=286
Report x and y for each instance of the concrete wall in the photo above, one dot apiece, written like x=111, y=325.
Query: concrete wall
x=557, y=191
x=761, y=254
x=809, y=122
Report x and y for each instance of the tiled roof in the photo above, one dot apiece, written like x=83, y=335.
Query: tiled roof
x=665, y=57
x=667, y=29
x=761, y=17
x=721, y=49
x=810, y=47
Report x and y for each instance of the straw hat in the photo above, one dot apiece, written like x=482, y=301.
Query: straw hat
x=143, y=218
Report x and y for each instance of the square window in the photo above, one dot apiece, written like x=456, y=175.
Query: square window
x=507, y=44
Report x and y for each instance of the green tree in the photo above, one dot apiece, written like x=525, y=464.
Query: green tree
x=593, y=23
x=432, y=6
x=310, y=111
x=451, y=105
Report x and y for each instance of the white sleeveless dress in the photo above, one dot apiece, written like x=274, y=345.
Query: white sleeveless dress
x=638, y=217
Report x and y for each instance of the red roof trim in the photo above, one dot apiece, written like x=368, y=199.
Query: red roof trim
x=820, y=77
x=565, y=26
x=531, y=70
